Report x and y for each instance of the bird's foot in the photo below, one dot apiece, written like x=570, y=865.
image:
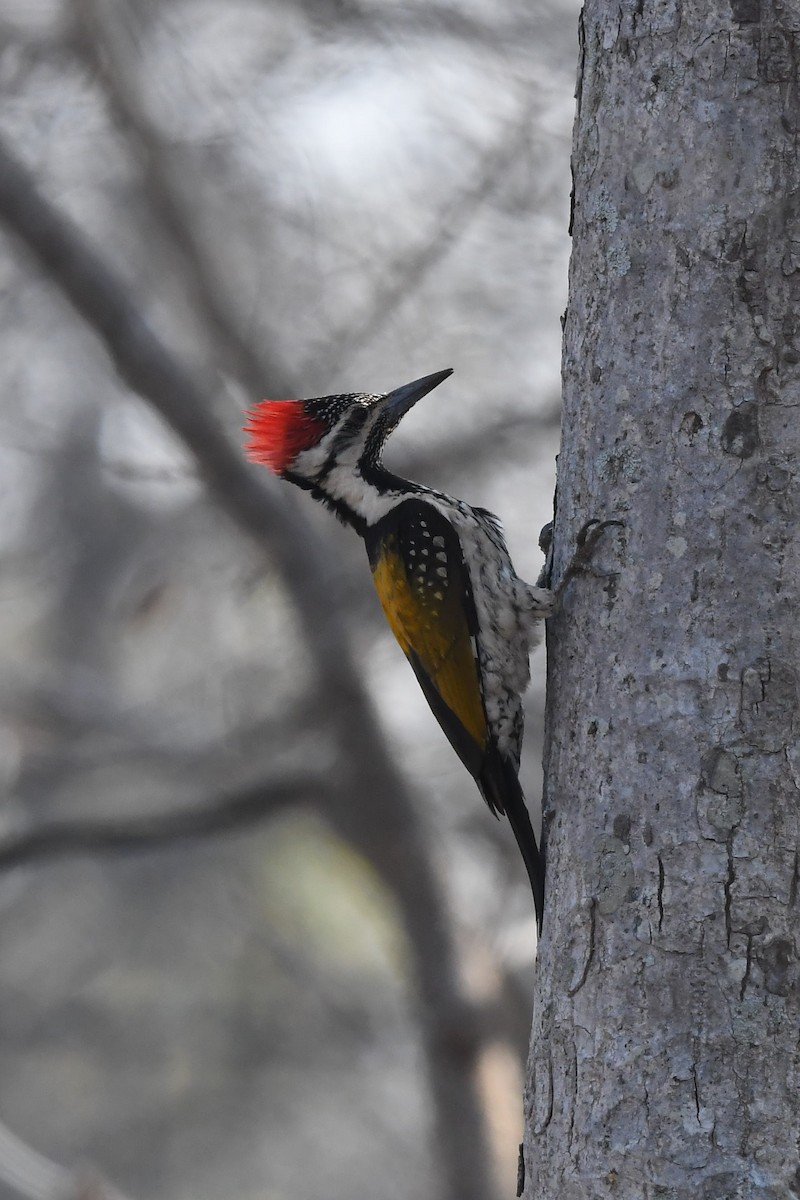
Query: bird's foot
x=588, y=537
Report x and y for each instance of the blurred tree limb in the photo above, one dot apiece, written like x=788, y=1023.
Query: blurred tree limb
x=403, y=278
x=225, y=814
x=31, y=1174
x=108, y=48
x=370, y=806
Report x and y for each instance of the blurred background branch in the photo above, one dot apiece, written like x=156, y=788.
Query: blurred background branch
x=109, y=48
x=55, y=839
x=30, y=1174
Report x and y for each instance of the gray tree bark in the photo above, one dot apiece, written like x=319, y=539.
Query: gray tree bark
x=664, y=1053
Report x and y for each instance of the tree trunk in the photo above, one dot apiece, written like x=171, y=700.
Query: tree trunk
x=664, y=1054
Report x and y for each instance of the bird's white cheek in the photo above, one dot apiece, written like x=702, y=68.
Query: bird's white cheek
x=347, y=485
x=309, y=462
x=348, y=458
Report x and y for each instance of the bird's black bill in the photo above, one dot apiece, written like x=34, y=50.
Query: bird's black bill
x=398, y=402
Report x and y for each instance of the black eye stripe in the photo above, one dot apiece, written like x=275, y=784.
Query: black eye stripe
x=352, y=426
x=347, y=434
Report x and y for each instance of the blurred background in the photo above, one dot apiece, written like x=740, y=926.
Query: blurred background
x=259, y=936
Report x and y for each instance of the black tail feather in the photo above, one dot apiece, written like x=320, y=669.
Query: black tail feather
x=500, y=787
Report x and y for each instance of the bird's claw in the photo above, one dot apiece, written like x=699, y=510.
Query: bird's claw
x=593, y=527
x=588, y=537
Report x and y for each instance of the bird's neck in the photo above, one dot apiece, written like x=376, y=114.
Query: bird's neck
x=360, y=496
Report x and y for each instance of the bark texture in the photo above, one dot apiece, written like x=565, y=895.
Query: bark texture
x=664, y=1056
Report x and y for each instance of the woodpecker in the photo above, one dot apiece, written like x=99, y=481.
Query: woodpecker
x=462, y=616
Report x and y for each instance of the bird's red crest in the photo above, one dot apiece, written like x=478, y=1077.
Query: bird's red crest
x=279, y=430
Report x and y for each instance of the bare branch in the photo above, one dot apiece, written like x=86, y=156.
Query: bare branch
x=412, y=23
x=98, y=41
x=405, y=276
x=31, y=1174
x=482, y=442
x=228, y=814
